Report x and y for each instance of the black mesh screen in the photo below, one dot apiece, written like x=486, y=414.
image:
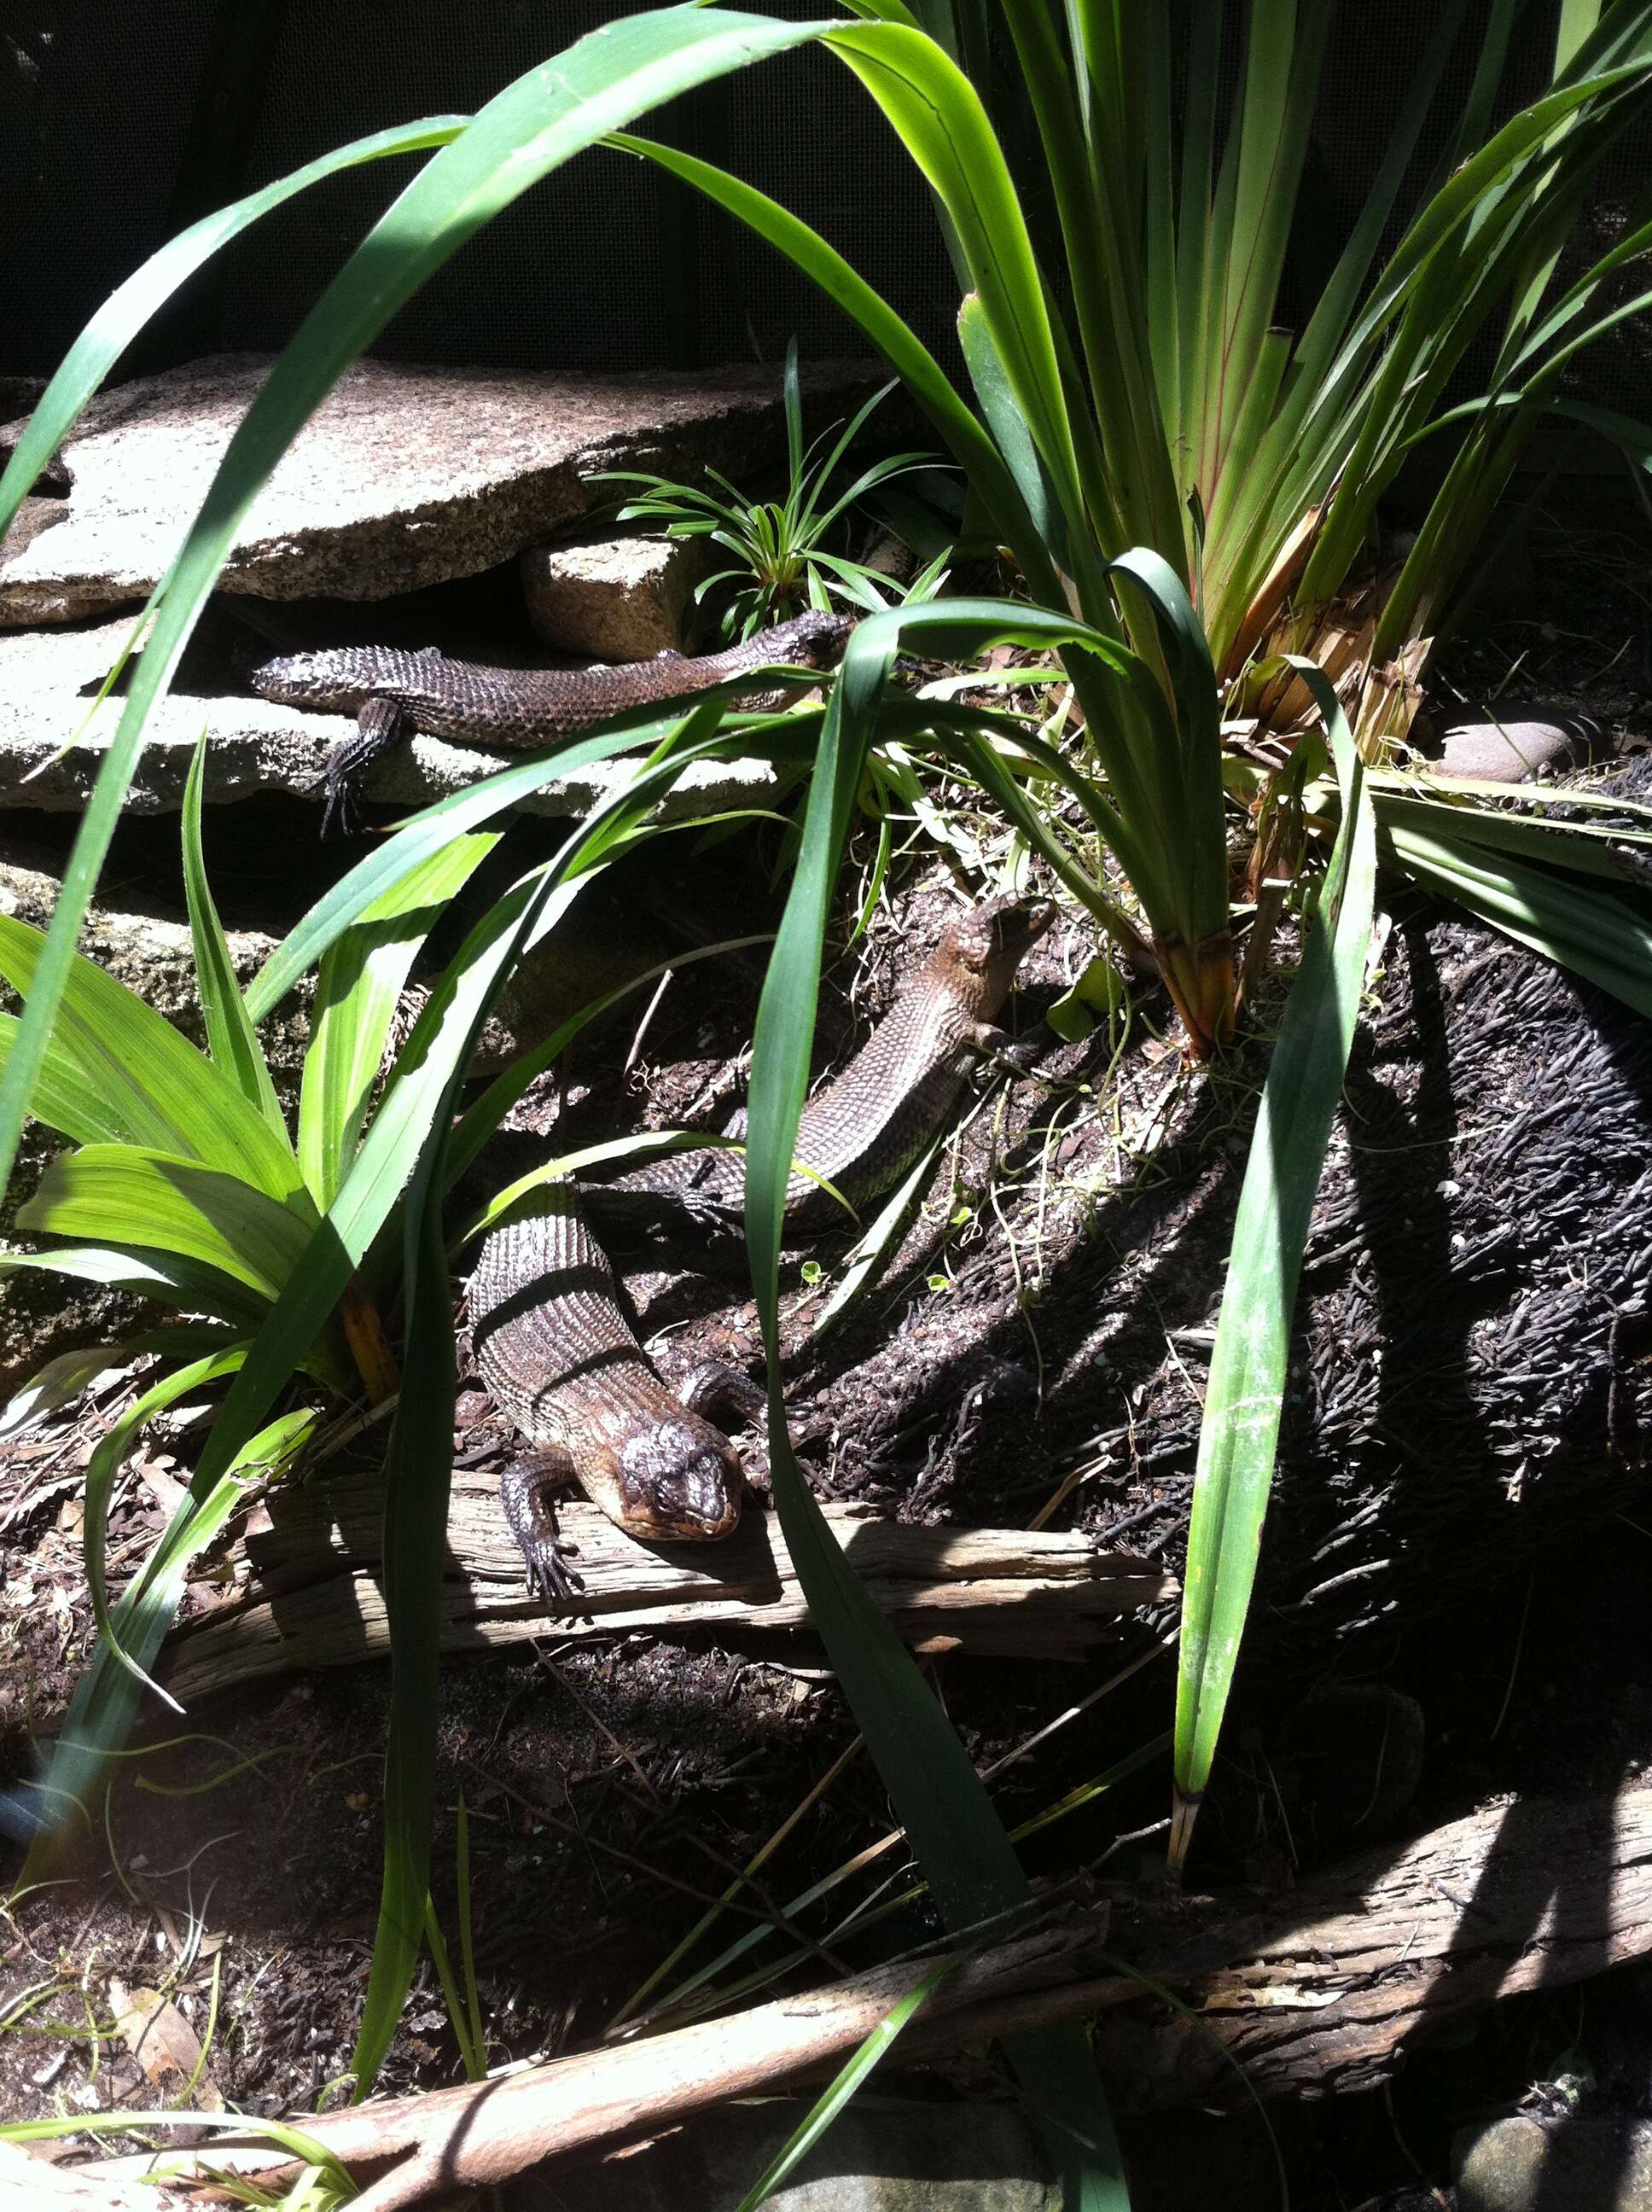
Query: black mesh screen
x=803, y=131
x=119, y=123
x=96, y=102
x=569, y=276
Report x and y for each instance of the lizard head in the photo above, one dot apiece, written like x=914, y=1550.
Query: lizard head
x=815, y=639
x=673, y=1479
x=981, y=951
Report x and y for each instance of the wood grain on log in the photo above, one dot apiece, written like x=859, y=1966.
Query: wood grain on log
x=1315, y=1992
x=311, y=1594
x=1320, y=1990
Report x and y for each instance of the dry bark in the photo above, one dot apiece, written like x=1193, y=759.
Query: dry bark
x=309, y=1585
x=1313, y=1993
x=1319, y=1992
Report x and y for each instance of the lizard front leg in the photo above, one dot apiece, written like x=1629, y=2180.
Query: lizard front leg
x=379, y=723
x=727, y=1396
x=998, y=1048
x=524, y=1488
x=734, y=1400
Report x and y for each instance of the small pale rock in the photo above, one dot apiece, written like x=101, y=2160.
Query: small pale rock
x=1517, y=750
x=1587, y=2163
x=612, y=599
x=405, y=475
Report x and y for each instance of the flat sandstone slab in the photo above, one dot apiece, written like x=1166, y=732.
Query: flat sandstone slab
x=255, y=746
x=406, y=475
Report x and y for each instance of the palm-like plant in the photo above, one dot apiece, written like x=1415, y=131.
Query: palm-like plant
x=783, y=552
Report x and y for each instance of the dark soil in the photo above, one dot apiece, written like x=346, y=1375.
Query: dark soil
x=1459, y=1535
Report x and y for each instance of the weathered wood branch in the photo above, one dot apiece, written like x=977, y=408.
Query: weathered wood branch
x=1316, y=1991
x=412, y=2147
x=30, y=2183
x=308, y=1590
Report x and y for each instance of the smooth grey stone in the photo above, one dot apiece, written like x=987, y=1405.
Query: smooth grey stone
x=1587, y=2164
x=877, y=2157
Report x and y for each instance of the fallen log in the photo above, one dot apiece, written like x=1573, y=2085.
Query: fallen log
x=307, y=1590
x=1314, y=1992
x=1320, y=1991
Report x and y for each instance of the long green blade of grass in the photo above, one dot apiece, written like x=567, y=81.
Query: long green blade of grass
x=1244, y=1396
x=838, y=2092
x=941, y=122
x=232, y=1041
x=356, y=995
x=937, y=1795
x=418, y=1474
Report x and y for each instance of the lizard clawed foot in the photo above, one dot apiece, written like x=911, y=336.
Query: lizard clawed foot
x=556, y=1581
x=525, y=1489
x=342, y=815
x=378, y=726
x=723, y=1394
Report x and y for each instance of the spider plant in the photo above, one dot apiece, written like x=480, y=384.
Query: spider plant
x=783, y=551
